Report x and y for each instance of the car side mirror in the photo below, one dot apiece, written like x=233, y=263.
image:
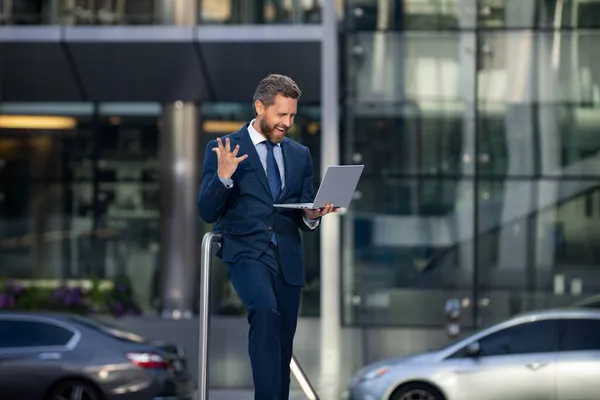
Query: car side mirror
x=474, y=349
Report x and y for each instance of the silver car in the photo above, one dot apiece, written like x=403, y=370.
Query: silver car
x=545, y=355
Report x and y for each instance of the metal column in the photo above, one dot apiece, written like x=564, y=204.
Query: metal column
x=330, y=363
x=208, y=241
x=179, y=240
x=179, y=186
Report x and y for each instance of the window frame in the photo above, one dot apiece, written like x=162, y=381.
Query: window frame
x=70, y=345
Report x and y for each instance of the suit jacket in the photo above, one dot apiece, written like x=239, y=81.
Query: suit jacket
x=245, y=215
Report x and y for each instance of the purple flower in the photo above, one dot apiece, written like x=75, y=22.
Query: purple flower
x=73, y=297
x=14, y=287
x=59, y=293
x=6, y=301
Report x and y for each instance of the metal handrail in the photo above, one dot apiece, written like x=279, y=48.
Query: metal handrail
x=210, y=239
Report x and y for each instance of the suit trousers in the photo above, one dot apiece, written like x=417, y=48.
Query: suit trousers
x=272, y=306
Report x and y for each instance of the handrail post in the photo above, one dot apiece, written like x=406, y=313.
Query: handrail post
x=204, y=313
x=204, y=316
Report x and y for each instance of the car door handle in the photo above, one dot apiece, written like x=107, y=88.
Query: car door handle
x=49, y=356
x=535, y=366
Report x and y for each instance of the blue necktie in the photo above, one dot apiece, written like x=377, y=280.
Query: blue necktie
x=273, y=177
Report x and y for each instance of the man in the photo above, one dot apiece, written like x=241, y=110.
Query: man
x=244, y=175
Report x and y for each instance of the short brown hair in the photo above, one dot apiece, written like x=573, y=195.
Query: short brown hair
x=273, y=85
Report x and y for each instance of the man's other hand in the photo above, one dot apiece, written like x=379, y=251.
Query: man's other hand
x=319, y=212
x=227, y=159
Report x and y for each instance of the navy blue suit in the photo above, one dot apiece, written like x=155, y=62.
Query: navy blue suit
x=267, y=278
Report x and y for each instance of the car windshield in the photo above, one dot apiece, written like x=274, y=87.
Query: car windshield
x=110, y=329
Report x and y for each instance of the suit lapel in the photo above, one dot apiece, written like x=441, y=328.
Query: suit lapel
x=287, y=165
x=247, y=147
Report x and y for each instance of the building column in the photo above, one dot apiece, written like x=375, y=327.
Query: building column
x=330, y=362
x=467, y=191
x=178, y=217
x=179, y=189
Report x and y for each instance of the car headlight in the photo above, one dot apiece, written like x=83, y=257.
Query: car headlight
x=374, y=374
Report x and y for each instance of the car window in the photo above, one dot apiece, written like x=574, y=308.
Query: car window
x=110, y=330
x=19, y=333
x=530, y=337
x=580, y=334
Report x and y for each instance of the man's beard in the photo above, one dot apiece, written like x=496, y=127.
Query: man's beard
x=268, y=131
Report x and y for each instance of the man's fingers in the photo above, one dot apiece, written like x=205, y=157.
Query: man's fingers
x=218, y=151
x=227, y=145
x=220, y=144
x=241, y=158
x=235, y=151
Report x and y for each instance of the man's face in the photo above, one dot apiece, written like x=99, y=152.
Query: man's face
x=276, y=119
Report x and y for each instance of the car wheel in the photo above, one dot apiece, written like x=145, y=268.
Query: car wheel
x=417, y=391
x=74, y=390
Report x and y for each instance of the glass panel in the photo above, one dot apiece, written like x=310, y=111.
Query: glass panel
x=524, y=67
x=537, y=245
x=55, y=231
x=42, y=147
x=403, y=263
x=425, y=15
x=22, y=12
x=263, y=11
x=546, y=125
x=538, y=139
x=151, y=12
x=411, y=142
x=428, y=69
x=408, y=240
x=542, y=14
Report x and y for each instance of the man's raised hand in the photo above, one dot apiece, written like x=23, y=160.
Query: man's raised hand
x=227, y=159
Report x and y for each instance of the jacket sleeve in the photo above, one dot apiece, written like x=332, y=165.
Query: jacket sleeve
x=308, y=196
x=212, y=198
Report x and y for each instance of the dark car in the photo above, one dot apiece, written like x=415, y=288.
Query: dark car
x=56, y=357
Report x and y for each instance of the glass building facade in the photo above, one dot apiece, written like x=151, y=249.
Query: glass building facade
x=478, y=125
x=477, y=121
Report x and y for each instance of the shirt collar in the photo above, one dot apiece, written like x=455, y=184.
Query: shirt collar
x=256, y=136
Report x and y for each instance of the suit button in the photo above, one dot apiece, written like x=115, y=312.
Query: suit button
x=270, y=229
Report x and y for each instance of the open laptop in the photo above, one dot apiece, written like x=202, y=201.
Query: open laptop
x=337, y=188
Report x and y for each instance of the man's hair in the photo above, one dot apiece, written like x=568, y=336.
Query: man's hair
x=273, y=85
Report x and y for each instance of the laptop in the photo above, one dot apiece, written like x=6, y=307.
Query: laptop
x=337, y=188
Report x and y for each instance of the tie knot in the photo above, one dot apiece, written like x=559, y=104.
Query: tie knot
x=270, y=144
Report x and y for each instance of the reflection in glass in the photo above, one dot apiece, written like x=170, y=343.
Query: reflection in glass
x=539, y=139
x=79, y=201
x=424, y=15
x=541, y=14
x=427, y=68
x=411, y=142
x=545, y=124
x=537, y=244
x=411, y=255
x=525, y=67
x=42, y=146
x=262, y=11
